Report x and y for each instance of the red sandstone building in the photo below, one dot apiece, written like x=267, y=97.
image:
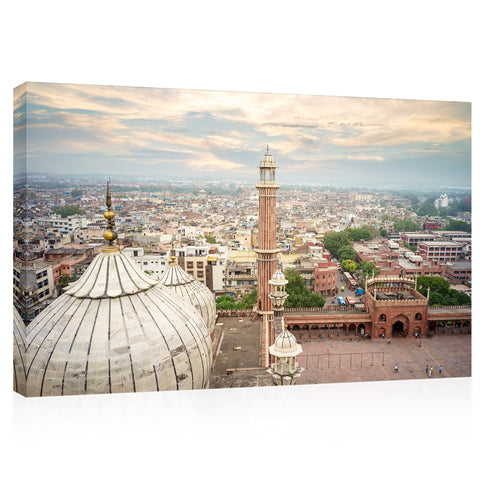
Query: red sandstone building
x=326, y=273
x=440, y=251
x=267, y=247
x=392, y=308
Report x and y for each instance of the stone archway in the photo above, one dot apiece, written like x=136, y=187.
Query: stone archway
x=400, y=326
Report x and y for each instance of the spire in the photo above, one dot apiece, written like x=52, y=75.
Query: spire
x=173, y=258
x=109, y=233
x=267, y=148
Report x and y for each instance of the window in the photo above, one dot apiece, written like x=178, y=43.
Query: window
x=383, y=318
x=418, y=317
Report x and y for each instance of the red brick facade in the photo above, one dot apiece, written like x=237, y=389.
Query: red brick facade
x=267, y=246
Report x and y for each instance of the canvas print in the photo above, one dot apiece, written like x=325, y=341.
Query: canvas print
x=182, y=239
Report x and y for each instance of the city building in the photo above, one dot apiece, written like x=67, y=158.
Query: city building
x=153, y=264
x=66, y=225
x=33, y=288
x=326, y=276
x=458, y=272
x=440, y=251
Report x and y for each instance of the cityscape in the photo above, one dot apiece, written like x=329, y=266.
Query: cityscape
x=157, y=247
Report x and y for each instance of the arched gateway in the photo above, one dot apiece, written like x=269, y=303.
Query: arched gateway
x=400, y=326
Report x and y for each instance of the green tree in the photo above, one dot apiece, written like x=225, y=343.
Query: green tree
x=76, y=193
x=248, y=301
x=435, y=298
x=461, y=297
x=436, y=284
x=334, y=241
x=210, y=239
x=347, y=253
x=383, y=232
x=225, y=302
x=427, y=209
x=459, y=226
x=368, y=269
x=67, y=211
x=410, y=247
x=407, y=225
x=349, y=266
x=298, y=294
x=357, y=234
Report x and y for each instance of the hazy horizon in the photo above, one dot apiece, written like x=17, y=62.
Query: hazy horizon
x=220, y=136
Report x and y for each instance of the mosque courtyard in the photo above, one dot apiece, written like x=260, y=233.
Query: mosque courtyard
x=336, y=360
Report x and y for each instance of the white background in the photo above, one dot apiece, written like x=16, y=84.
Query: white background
x=415, y=50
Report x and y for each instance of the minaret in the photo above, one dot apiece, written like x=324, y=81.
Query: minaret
x=267, y=245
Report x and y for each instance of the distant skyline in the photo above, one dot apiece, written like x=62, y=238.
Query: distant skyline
x=89, y=129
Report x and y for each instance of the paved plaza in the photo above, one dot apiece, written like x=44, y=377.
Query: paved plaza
x=335, y=360
x=358, y=360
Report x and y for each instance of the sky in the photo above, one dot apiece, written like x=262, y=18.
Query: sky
x=216, y=135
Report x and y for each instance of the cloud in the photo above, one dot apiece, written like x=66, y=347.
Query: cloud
x=225, y=131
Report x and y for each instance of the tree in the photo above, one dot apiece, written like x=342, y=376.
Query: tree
x=407, y=225
x=383, y=232
x=410, y=247
x=357, y=234
x=248, y=301
x=349, y=266
x=436, y=284
x=67, y=211
x=459, y=226
x=334, y=241
x=368, y=269
x=76, y=193
x=225, y=302
x=298, y=294
x=347, y=253
x=435, y=298
x=210, y=239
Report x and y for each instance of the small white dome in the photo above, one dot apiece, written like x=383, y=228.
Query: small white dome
x=285, y=345
x=267, y=160
x=278, y=278
x=192, y=291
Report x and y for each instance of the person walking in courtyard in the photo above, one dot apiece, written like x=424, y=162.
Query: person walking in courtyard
x=396, y=368
x=426, y=369
x=430, y=372
x=440, y=369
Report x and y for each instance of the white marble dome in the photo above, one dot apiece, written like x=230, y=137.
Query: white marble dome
x=267, y=160
x=285, y=345
x=116, y=330
x=191, y=290
x=19, y=354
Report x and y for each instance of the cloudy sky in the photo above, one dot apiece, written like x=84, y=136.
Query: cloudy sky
x=71, y=129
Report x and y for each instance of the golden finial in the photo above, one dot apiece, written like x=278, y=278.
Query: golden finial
x=267, y=148
x=110, y=235
x=173, y=258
